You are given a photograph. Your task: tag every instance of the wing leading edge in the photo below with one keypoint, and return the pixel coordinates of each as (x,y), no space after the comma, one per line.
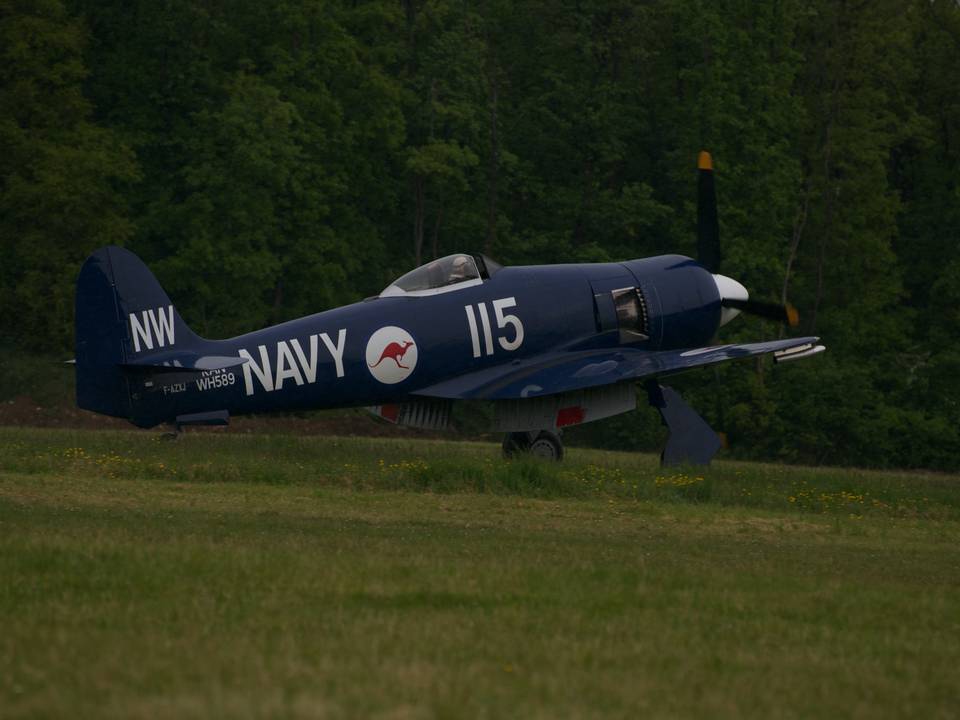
(559,372)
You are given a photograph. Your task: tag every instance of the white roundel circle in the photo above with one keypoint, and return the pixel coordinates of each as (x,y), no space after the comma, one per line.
(391,355)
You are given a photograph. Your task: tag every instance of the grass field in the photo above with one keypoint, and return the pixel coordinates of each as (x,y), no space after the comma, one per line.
(250,576)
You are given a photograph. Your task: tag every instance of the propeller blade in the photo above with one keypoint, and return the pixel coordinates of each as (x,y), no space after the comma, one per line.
(708,228)
(733,295)
(771,311)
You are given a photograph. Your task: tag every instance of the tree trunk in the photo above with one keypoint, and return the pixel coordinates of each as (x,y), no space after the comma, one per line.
(418,221)
(798,224)
(276,311)
(436,233)
(829,197)
(493,171)
(829,192)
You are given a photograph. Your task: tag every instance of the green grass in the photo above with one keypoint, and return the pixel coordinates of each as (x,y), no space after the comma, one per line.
(248,576)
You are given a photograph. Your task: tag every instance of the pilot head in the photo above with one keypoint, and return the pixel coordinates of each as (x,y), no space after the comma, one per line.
(461,268)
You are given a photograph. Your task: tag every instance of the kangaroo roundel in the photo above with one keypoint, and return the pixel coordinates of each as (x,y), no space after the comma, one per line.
(391,354)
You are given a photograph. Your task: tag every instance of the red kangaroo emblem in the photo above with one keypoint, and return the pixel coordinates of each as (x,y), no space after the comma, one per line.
(395,351)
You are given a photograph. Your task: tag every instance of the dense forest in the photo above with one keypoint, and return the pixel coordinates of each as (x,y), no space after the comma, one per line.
(272,159)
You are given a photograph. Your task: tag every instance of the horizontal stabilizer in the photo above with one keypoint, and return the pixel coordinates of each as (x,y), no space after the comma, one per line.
(183,361)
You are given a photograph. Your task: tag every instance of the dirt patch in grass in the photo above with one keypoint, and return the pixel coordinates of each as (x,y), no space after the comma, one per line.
(23,411)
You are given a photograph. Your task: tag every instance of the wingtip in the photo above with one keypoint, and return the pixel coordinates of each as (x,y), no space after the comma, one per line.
(704,161)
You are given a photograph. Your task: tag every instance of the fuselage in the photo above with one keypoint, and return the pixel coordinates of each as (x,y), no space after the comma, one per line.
(383,349)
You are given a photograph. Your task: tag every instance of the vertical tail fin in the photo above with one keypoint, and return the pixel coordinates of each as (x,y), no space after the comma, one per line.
(122,316)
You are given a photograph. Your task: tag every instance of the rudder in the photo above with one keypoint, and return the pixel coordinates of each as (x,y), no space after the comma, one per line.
(122,316)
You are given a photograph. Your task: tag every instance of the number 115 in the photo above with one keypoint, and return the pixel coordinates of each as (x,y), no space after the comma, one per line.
(502,322)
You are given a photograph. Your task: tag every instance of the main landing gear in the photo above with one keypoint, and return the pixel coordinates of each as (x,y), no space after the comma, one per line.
(691,441)
(538,443)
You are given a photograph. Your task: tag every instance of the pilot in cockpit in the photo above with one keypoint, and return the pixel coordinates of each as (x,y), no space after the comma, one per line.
(443,272)
(460,270)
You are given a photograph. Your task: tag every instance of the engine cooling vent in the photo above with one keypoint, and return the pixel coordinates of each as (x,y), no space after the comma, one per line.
(632,315)
(422,414)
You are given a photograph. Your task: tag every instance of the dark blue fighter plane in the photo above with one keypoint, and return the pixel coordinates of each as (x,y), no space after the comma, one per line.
(549,345)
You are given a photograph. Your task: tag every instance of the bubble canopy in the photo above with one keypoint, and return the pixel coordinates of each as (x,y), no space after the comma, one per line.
(453,272)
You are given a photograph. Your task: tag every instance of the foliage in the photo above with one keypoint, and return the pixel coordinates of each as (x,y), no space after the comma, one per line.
(275,159)
(62,178)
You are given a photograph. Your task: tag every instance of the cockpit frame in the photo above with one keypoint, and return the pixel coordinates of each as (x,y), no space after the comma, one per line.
(447,274)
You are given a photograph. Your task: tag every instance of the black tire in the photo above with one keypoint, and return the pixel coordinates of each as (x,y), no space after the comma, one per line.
(515,443)
(548,446)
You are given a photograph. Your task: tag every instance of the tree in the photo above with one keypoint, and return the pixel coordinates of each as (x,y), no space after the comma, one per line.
(266,141)
(61,176)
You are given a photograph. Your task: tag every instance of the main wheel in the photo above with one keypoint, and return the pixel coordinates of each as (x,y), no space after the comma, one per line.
(548,446)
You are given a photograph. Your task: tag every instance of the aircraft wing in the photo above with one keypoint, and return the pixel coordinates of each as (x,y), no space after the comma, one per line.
(559,372)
